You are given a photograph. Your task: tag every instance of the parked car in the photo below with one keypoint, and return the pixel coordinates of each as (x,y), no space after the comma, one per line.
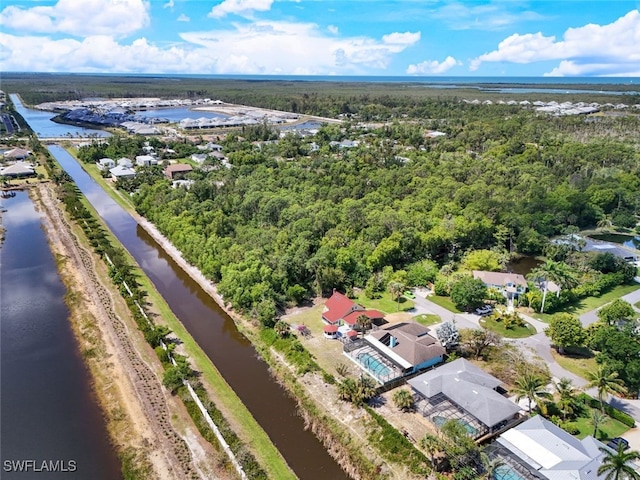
(616,442)
(409,294)
(484,310)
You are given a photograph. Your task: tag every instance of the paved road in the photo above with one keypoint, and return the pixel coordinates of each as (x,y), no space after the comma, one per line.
(592,316)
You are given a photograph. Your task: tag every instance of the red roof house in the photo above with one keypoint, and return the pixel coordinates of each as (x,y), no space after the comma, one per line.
(340,310)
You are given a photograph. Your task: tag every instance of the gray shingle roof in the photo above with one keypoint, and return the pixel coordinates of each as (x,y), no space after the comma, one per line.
(470,388)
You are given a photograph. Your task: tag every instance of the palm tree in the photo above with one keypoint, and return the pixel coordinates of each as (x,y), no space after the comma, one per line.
(605,222)
(396,289)
(557,272)
(605,382)
(617,465)
(490,465)
(566,396)
(596,419)
(363,323)
(530,386)
(403,400)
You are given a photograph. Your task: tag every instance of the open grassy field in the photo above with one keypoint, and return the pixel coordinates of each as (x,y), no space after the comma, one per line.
(427,319)
(385,304)
(587,304)
(444,302)
(576,360)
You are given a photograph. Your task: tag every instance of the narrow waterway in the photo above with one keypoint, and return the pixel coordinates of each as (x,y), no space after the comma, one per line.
(216,333)
(49,412)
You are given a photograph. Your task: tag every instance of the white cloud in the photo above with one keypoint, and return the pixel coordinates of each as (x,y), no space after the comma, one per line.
(183,18)
(258,48)
(170,4)
(94,17)
(491,16)
(589,50)
(244,8)
(433,66)
(406,38)
(295,48)
(333,29)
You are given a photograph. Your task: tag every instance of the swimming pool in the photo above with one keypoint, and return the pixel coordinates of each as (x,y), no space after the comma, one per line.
(505,472)
(471,430)
(374,365)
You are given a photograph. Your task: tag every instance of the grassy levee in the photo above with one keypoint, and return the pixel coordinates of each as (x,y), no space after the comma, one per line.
(226,400)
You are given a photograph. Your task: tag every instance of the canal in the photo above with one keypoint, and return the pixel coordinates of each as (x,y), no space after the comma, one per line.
(48,409)
(216,333)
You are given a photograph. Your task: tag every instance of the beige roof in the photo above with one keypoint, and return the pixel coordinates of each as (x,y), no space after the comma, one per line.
(412,342)
(499,278)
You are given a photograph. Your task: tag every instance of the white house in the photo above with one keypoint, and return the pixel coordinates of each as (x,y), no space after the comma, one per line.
(105,164)
(511,285)
(199,157)
(122,172)
(125,162)
(146,160)
(540,449)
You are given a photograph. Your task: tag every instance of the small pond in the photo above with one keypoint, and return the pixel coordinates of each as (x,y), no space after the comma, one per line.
(626,240)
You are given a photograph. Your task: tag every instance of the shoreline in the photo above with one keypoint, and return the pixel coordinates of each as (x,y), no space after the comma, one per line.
(124,376)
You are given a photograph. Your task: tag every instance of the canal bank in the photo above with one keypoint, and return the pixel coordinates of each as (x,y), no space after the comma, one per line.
(216,334)
(50,414)
(151,431)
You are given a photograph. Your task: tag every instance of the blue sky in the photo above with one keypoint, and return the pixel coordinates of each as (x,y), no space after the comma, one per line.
(323,37)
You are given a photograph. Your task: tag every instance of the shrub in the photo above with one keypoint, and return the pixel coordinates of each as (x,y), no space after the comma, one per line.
(609,410)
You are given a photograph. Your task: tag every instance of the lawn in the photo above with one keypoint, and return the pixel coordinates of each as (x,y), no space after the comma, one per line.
(587,304)
(498,327)
(385,304)
(444,302)
(427,319)
(608,429)
(578,361)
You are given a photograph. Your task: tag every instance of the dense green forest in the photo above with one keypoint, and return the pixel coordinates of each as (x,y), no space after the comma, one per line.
(283,224)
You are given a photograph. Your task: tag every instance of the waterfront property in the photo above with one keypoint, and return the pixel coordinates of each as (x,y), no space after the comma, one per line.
(463,392)
(16,154)
(395,351)
(18,169)
(538,449)
(105,164)
(511,285)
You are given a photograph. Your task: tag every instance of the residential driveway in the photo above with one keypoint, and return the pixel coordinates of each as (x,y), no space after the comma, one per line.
(633,437)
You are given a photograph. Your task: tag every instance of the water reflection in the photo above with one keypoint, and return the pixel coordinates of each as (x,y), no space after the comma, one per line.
(48,409)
